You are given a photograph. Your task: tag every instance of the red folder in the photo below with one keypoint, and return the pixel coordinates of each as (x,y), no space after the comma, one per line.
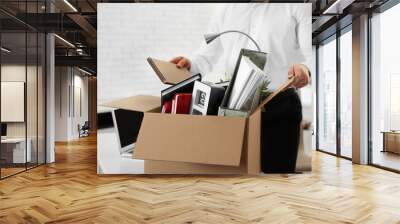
(181,103)
(166,109)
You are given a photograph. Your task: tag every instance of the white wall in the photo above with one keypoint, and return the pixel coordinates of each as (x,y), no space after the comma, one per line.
(61,103)
(80,83)
(129,33)
(16,72)
(68,80)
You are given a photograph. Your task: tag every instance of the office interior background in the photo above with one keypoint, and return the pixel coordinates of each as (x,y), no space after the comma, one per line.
(48,82)
(49,51)
(48,97)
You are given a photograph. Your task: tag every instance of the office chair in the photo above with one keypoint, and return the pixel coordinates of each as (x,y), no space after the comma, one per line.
(84,130)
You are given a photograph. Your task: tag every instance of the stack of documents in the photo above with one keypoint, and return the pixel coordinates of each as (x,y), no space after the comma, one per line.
(247,87)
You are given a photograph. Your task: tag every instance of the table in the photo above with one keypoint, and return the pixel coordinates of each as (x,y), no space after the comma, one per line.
(13,150)
(109,158)
(391,141)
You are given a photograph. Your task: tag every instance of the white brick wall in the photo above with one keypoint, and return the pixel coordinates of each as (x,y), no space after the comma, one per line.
(129,33)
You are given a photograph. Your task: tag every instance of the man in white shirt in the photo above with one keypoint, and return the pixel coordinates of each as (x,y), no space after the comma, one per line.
(281,30)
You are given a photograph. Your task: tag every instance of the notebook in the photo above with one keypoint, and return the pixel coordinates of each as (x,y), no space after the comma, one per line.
(167,107)
(186,86)
(168,72)
(181,103)
(248,79)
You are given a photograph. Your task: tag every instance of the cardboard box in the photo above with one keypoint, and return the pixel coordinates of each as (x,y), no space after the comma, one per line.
(193,144)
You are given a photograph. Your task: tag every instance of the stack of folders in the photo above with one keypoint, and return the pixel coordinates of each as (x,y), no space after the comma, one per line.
(177,98)
(207,97)
(249,82)
(181,103)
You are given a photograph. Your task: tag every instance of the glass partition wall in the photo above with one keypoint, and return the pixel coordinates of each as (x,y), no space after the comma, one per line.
(22,77)
(327,96)
(385,89)
(345,65)
(334,104)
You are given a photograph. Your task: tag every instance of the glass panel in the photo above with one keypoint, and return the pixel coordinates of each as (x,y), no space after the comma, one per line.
(385,84)
(31,85)
(41,99)
(23,89)
(31,100)
(327,97)
(13,87)
(346,94)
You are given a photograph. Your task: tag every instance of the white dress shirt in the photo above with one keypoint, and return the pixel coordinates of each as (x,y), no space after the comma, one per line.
(282,30)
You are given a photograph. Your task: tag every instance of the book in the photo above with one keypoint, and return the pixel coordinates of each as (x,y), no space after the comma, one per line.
(223,84)
(207,97)
(249,80)
(242,78)
(181,103)
(186,86)
(167,72)
(167,107)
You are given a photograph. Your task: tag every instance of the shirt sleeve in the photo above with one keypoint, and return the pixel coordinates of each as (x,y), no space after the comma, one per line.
(205,57)
(304,34)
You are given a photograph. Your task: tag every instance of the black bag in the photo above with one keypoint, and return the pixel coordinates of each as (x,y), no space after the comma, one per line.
(280,132)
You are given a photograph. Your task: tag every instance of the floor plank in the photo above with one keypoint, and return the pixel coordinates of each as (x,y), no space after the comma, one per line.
(70,191)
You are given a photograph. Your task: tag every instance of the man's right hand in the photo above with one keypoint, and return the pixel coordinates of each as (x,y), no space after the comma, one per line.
(181,62)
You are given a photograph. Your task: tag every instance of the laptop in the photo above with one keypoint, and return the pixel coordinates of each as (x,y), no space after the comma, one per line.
(127,125)
(3,131)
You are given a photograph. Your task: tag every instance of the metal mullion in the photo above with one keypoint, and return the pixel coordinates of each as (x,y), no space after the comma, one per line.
(317,96)
(369,82)
(45,96)
(26,87)
(45,91)
(37,91)
(338,92)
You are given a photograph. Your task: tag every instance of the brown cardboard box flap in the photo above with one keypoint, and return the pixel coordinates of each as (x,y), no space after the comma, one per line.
(253,143)
(167,167)
(136,103)
(168,72)
(191,138)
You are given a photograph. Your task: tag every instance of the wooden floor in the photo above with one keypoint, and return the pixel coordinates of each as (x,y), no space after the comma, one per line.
(386,159)
(5,172)
(70,191)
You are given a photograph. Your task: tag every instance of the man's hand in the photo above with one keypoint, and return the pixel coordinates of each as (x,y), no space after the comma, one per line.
(181,62)
(301,75)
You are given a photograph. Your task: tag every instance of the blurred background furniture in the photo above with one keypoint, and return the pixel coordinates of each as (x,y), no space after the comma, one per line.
(13,151)
(84,129)
(391,141)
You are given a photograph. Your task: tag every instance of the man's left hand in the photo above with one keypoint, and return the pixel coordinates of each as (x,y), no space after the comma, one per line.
(301,75)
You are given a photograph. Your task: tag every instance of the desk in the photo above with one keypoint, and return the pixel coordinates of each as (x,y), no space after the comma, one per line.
(391,141)
(13,150)
(109,159)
